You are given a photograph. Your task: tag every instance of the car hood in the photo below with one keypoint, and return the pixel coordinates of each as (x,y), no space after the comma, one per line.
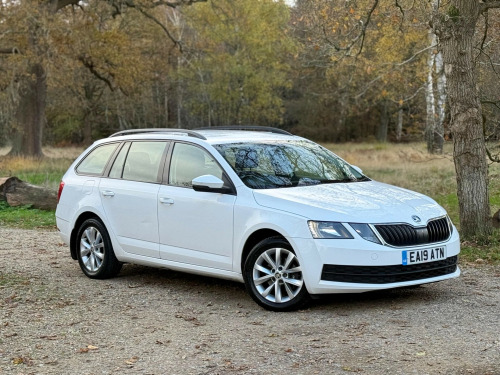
(359,202)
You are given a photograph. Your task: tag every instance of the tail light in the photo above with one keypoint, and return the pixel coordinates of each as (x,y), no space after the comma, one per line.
(61,187)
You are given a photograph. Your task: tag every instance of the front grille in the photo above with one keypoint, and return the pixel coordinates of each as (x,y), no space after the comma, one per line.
(406,235)
(388,274)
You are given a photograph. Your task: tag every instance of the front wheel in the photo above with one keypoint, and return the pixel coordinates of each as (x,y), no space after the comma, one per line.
(95,252)
(273,276)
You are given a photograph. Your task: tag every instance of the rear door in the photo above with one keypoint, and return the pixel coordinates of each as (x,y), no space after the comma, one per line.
(130,195)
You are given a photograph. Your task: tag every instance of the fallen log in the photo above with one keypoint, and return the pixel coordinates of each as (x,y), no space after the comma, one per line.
(2,181)
(20,193)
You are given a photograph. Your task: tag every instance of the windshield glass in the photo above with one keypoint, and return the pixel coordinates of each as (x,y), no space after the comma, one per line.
(271,165)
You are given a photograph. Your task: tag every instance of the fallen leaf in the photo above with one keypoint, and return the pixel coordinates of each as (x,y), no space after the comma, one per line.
(132,360)
(18,361)
(53,337)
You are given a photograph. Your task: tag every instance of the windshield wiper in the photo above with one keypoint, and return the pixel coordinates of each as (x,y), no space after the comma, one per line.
(337,181)
(344,180)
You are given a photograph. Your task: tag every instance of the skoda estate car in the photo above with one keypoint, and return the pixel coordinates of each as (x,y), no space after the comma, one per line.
(257,205)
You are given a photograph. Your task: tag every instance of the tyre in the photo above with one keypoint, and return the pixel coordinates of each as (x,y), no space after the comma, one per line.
(95,252)
(273,276)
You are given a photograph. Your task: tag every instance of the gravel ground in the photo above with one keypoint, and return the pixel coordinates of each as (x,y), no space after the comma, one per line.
(54,320)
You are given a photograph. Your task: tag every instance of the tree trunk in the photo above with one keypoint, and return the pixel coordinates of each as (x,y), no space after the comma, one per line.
(399,126)
(456,31)
(440,111)
(435,95)
(430,125)
(384,123)
(30,114)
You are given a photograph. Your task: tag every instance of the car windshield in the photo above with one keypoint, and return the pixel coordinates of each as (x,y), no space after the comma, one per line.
(280,164)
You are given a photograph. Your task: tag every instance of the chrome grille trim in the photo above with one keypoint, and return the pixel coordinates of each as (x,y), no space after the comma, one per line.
(404,235)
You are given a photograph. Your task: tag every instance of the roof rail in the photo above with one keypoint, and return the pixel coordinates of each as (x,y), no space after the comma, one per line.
(248,127)
(189,133)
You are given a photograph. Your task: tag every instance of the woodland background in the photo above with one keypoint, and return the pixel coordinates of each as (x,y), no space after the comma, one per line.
(335,71)
(110,66)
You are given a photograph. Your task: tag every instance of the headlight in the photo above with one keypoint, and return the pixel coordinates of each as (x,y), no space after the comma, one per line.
(328,229)
(365,232)
(450,224)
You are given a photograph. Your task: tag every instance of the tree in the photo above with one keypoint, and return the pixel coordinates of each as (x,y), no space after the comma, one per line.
(371,64)
(455,27)
(435,94)
(27,28)
(454,23)
(234,68)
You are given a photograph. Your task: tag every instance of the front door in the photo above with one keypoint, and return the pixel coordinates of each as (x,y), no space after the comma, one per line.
(195,227)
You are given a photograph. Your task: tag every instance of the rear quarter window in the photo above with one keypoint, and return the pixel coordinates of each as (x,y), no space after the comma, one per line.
(95,162)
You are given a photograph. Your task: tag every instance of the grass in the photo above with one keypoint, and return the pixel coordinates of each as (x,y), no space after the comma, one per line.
(8,279)
(45,172)
(26,217)
(405,165)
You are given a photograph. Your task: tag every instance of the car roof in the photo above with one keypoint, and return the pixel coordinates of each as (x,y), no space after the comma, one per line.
(210,135)
(237,136)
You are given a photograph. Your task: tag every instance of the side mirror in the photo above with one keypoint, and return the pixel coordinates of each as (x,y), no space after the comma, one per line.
(358,169)
(208,181)
(211,184)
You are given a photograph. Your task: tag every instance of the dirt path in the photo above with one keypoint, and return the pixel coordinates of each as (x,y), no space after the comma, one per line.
(54,320)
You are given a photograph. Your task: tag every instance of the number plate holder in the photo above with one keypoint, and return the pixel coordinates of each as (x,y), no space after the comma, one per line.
(432,254)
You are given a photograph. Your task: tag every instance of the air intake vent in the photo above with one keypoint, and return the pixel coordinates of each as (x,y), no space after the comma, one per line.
(436,230)
(388,274)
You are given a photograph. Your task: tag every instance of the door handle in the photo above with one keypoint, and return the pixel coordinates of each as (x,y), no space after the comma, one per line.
(168,201)
(108,193)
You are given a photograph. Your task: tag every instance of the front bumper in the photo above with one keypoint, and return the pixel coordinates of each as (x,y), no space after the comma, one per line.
(356,265)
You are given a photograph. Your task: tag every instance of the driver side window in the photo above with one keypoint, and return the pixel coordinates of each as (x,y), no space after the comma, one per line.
(188,162)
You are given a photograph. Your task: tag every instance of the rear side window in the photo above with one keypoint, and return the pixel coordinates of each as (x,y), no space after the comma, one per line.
(95,162)
(116,170)
(143,161)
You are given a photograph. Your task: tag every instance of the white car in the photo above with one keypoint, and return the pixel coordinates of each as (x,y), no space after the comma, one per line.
(278,212)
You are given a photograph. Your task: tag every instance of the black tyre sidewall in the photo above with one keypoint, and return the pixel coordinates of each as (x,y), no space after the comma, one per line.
(299,301)
(110,265)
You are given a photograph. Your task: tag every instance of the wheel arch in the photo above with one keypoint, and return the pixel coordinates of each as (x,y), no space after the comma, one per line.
(83,216)
(254,239)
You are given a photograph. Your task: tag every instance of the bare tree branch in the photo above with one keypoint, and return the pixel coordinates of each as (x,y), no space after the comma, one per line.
(365,26)
(415,55)
(163,27)
(408,98)
(401,10)
(174,4)
(486,26)
(89,64)
(59,4)
(495,104)
(489,5)
(360,36)
(117,5)
(9,51)
(493,158)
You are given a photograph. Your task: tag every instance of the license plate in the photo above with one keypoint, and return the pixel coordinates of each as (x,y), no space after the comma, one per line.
(423,255)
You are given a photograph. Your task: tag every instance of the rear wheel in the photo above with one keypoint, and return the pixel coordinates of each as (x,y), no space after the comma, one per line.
(95,252)
(273,276)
